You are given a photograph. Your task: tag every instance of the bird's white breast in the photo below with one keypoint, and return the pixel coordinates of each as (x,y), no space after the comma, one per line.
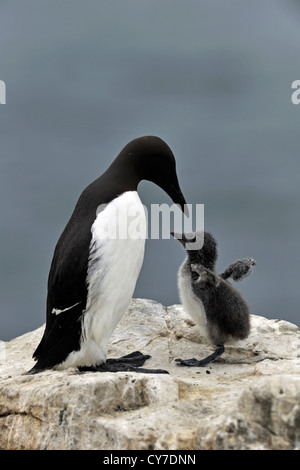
(116,258)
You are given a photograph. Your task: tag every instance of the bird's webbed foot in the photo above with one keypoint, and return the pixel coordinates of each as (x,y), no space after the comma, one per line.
(203,362)
(239,270)
(129,363)
(136,358)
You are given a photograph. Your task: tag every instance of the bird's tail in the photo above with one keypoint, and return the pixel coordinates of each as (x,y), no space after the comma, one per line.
(38,367)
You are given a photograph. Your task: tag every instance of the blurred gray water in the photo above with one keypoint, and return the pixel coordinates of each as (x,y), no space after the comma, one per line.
(212,78)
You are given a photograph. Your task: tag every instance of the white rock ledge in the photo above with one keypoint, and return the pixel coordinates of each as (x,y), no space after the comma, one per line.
(249,399)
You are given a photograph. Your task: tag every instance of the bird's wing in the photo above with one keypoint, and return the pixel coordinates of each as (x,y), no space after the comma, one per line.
(239,269)
(66,300)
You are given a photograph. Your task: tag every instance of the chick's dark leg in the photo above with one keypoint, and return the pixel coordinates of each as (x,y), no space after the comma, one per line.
(203,362)
(130,363)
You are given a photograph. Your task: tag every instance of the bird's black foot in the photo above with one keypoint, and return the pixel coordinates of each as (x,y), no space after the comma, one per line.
(135,358)
(203,362)
(240,269)
(129,363)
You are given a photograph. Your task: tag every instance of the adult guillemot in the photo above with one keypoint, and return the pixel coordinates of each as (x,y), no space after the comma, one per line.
(214,304)
(92,276)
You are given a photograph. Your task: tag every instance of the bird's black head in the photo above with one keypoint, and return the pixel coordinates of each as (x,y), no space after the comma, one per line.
(206,255)
(149,158)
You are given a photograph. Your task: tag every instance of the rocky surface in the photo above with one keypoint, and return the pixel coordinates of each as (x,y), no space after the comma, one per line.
(249,399)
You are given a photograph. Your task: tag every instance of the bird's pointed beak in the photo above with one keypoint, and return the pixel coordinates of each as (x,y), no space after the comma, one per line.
(175,193)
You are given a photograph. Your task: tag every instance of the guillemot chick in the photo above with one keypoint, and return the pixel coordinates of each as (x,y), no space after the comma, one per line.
(96,263)
(214,304)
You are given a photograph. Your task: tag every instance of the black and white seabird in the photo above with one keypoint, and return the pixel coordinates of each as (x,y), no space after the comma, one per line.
(92,277)
(215,305)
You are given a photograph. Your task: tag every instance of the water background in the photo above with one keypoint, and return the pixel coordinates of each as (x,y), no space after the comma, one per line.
(212,78)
